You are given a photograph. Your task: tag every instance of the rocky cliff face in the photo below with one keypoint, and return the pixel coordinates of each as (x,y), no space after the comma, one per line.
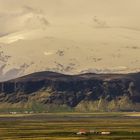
(86,92)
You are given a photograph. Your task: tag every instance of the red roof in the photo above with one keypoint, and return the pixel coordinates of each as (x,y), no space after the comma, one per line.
(83,130)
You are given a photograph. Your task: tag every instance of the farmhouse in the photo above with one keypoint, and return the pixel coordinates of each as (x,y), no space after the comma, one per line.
(105,133)
(83,132)
(92,131)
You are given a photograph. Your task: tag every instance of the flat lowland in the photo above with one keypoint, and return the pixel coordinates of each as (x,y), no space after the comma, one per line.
(64,126)
(134,114)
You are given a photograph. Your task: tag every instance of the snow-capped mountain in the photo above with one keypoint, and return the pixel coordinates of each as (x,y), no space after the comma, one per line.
(36,38)
(69,56)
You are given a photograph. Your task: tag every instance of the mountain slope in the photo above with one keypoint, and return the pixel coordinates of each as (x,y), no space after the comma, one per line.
(80,49)
(85,92)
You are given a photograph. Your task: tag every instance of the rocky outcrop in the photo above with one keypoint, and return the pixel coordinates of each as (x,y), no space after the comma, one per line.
(85,92)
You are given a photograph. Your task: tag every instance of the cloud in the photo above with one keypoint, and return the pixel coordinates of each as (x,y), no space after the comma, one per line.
(129,28)
(98,23)
(38,15)
(132,47)
(26,18)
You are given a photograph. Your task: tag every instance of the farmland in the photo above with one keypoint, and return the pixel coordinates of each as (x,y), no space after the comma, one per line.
(64,126)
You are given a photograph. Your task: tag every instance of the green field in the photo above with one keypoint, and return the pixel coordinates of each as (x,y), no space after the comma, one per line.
(63,126)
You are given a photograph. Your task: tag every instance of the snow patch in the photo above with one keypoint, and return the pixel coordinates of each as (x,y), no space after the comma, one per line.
(48,53)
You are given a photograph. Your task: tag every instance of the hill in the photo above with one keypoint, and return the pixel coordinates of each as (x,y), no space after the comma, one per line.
(84,92)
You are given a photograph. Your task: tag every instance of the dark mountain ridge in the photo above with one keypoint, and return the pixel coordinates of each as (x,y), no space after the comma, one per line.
(84,92)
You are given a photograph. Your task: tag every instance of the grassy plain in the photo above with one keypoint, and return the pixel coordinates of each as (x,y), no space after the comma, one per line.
(63,126)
